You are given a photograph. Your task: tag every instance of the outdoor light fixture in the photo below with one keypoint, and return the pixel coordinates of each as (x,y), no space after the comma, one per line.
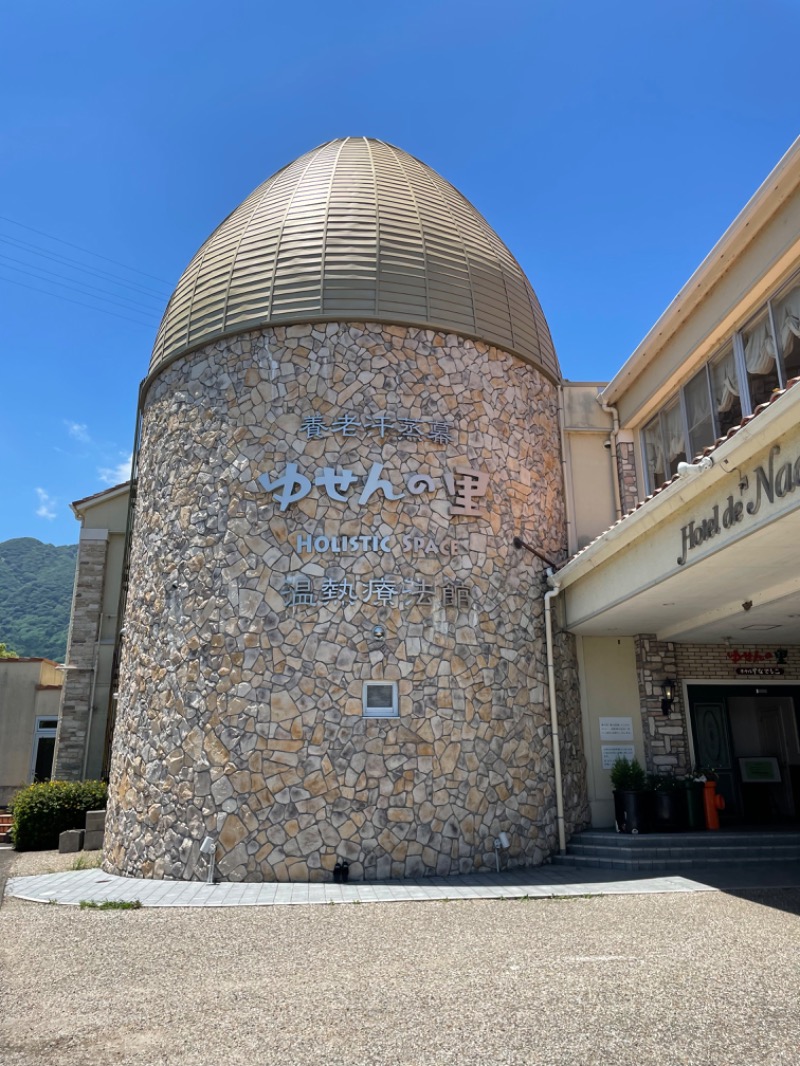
(208,847)
(695,468)
(502,843)
(668,689)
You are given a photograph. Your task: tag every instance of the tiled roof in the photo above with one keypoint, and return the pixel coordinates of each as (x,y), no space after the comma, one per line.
(97,495)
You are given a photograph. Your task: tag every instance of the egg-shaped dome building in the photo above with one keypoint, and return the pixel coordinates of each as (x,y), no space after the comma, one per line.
(333,652)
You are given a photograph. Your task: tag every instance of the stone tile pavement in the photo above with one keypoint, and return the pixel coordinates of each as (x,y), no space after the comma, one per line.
(544,881)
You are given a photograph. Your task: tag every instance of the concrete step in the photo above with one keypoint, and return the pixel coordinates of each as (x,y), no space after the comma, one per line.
(676,865)
(677,851)
(698,840)
(732,853)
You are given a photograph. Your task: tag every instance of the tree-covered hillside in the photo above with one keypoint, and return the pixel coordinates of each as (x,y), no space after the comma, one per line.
(35,596)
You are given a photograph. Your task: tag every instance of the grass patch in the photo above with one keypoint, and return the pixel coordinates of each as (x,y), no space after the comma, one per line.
(87,860)
(111,905)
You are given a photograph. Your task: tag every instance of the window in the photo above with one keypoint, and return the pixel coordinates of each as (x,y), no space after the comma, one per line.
(760,360)
(654,454)
(725,391)
(380,699)
(698,413)
(675,441)
(787,323)
(44,746)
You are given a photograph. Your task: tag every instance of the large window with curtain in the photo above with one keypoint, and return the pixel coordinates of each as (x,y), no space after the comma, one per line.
(759,359)
(786,310)
(725,397)
(654,453)
(698,413)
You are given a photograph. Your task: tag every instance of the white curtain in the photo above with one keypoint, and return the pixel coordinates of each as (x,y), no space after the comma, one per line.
(787,317)
(655,453)
(759,348)
(726,387)
(674,428)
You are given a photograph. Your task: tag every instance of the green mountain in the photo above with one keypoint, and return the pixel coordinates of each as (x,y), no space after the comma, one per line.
(35,596)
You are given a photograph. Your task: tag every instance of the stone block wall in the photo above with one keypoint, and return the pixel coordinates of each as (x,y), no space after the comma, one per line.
(626,474)
(240,711)
(666,743)
(87,606)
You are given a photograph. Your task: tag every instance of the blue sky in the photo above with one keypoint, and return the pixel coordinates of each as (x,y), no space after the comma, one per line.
(609,144)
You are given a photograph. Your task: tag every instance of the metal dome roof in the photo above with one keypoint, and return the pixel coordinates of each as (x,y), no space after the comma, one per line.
(356,230)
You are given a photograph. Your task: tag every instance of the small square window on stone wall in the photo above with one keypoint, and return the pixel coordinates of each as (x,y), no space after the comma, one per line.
(380,699)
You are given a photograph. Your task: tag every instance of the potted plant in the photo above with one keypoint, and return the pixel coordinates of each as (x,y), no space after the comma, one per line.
(669,809)
(695,810)
(631,807)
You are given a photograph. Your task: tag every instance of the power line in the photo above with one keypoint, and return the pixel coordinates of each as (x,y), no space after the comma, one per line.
(74,288)
(102,274)
(67,299)
(36,271)
(50,237)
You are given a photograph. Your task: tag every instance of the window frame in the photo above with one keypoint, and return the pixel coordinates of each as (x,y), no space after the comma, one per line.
(379,712)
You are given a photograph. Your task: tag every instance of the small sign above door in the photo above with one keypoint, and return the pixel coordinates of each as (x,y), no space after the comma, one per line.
(759,671)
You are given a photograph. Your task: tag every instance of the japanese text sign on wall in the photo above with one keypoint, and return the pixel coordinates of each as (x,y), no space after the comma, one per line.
(465,486)
(616,728)
(383,591)
(315,427)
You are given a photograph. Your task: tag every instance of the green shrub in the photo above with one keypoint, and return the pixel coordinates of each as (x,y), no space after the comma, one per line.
(43,811)
(628,776)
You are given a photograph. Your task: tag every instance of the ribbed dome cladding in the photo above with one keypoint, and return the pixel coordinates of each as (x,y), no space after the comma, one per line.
(355,230)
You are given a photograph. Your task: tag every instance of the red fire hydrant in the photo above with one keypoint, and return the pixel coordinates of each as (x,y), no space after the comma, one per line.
(713,804)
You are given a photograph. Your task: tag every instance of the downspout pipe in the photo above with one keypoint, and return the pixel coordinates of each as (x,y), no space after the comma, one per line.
(549,596)
(610,409)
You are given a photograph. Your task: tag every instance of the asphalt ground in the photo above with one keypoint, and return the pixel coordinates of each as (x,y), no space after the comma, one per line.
(685,978)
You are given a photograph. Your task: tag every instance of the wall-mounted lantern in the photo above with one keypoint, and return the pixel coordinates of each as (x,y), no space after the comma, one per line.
(668,690)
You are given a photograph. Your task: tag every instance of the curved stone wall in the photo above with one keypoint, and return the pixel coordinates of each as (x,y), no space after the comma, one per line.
(319,507)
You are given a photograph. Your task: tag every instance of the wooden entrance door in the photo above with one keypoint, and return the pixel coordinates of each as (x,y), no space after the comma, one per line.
(712,744)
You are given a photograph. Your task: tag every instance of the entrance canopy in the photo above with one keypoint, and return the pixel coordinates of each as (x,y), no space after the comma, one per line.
(712,555)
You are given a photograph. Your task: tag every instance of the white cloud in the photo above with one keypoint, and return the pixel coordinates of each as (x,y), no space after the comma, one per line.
(114,475)
(78,430)
(47,505)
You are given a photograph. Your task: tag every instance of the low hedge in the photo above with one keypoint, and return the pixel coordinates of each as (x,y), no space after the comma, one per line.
(43,811)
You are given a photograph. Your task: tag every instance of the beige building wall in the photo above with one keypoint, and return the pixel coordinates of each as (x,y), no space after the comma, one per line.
(589,473)
(608,690)
(29,689)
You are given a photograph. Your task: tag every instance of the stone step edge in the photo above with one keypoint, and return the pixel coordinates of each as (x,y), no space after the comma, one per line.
(588,852)
(695,840)
(659,864)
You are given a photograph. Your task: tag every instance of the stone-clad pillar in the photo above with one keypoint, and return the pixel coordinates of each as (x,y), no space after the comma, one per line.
(87,606)
(626,473)
(666,742)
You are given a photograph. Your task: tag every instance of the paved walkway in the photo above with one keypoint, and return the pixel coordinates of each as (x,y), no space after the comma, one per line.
(541,881)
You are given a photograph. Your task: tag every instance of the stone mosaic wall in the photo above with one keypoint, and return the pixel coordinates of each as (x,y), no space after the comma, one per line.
(240,710)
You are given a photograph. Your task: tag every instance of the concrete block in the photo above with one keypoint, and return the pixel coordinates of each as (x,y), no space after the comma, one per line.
(95,821)
(72,840)
(93,840)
